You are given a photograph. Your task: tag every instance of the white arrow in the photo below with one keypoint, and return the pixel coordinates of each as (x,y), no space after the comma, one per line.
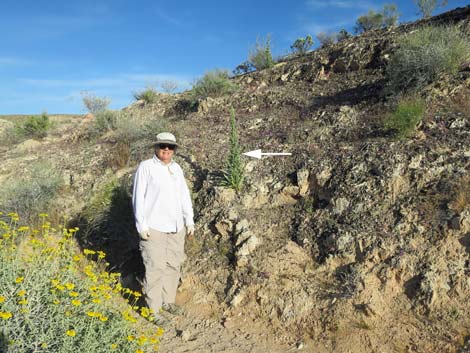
(258,154)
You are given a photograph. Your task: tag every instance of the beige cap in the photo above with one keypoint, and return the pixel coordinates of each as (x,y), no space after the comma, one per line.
(166,137)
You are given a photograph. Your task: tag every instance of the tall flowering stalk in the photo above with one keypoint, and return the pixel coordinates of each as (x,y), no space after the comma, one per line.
(234,171)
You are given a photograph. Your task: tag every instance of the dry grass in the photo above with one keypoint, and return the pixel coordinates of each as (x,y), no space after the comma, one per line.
(462,194)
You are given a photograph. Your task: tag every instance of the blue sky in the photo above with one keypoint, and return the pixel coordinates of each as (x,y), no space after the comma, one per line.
(51,51)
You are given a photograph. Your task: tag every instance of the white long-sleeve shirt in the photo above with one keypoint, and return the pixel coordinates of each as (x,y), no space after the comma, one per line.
(161,198)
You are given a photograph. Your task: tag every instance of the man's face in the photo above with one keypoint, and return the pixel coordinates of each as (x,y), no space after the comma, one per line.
(165,152)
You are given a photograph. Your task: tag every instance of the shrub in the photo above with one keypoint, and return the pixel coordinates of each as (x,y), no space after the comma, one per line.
(169,86)
(55,300)
(106,120)
(36,126)
(327,39)
(148,95)
(93,103)
(214,83)
(388,16)
(31,193)
(234,171)
(408,113)
(260,56)
(426,7)
(342,35)
(425,54)
(244,68)
(302,45)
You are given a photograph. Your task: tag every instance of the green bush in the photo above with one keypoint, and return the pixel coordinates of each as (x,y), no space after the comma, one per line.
(32,192)
(260,56)
(234,171)
(214,83)
(302,45)
(36,126)
(408,113)
(148,95)
(426,7)
(106,120)
(425,54)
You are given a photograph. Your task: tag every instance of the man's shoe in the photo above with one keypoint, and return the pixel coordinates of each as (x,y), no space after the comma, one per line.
(160,320)
(172,308)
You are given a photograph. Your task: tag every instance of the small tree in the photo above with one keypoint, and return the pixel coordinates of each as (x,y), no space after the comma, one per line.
(302,45)
(426,7)
(215,83)
(93,103)
(261,57)
(387,17)
(390,15)
(342,35)
(234,172)
(327,39)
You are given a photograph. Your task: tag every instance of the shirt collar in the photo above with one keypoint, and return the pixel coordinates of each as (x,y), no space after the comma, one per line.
(158,161)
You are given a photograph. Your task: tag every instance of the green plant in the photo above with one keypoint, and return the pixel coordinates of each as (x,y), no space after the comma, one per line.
(425,54)
(260,56)
(31,193)
(302,45)
(387,17)
(214,83)
(93,103)
(148,95)
(408,113)
(426,7)
(36,126)
(234,170)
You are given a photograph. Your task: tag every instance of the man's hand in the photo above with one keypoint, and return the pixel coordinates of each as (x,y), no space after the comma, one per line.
(144,235)
(190,230)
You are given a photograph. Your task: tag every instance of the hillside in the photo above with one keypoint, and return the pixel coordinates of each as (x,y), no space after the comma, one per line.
(358,242)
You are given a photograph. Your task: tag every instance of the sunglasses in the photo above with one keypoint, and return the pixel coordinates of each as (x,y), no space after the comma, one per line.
(162,146)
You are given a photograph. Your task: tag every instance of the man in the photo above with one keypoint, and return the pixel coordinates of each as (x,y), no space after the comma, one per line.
(164,216)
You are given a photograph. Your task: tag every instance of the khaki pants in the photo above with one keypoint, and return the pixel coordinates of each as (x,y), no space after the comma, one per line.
(163,254)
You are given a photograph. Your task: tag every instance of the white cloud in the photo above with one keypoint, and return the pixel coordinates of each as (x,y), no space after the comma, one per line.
(169,18)
(315,28)
(341,4)
(13,61)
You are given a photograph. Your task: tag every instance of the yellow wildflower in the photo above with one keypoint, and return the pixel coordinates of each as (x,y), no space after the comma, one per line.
(44,345)
(22,293)
(60,287)
(145,312)
(69,286)
(19,279)
(96,300)
(23,229)
(114,346)
(103,318)
(130,338)
(71,333)
(56,301)
(23,302)
(43,215)
(2,298)
(142,340)
(5,315)
(76,258)
(89,252)
(74,294)
(139,351)
(101,254)
(93,314)
(76,302)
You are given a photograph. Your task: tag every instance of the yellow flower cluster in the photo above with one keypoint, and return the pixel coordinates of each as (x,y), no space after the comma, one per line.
(81,300)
